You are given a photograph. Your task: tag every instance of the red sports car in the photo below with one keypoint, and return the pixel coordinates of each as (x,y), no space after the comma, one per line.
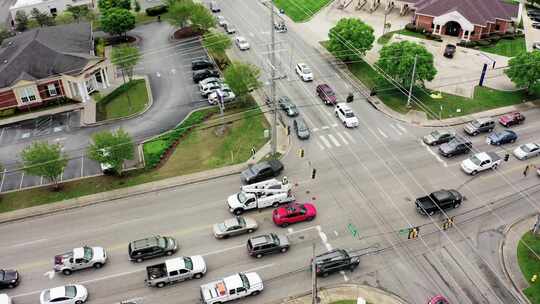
(293,213)
(438,300)
(510,119)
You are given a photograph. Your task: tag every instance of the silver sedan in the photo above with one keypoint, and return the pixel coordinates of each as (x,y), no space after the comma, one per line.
(67,294)
(527,151)
(235,226)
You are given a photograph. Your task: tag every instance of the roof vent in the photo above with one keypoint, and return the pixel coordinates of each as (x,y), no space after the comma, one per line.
(5,61)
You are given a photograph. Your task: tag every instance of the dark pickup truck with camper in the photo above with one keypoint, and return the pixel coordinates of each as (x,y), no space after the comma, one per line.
(434,202)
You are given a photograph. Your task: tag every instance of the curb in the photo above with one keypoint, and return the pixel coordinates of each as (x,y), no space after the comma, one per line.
(148,106)
(502,259)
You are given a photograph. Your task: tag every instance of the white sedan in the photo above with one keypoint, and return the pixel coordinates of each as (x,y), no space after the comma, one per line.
(242,43)
(68,294)
(304,72)
(225,95)
(527,151)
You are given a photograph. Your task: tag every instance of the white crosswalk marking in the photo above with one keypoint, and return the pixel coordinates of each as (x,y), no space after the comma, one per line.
(349,136)
(401,128)
(342,138)
(335,125)
(334,140)
(395,129)
(320,145)
(325,127)
(325,141)
(382,133)
(315,130)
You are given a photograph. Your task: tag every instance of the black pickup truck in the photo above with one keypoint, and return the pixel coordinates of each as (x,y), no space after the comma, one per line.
(442,199)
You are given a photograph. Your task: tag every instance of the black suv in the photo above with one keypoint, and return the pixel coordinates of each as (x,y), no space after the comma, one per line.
(9,278)
(267,244)
(203,74)
(151,247)
(455,147)
(334,261)
(199,64)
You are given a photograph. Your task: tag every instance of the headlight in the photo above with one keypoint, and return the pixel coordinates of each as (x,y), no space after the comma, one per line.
(13,281)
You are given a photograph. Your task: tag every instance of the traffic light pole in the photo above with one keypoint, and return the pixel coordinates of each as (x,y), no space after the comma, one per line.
(314,297)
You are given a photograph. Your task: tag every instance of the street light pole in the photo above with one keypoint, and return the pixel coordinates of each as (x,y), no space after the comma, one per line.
(314,297)
(273,78)
(412,82)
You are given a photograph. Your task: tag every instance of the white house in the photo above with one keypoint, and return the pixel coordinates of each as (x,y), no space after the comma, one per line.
(52,7)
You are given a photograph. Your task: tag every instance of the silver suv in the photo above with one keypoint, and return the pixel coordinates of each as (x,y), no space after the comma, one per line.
(480,125)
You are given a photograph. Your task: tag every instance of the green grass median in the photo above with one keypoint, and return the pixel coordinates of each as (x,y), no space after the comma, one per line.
(528,253)
(126,100)
(300,11)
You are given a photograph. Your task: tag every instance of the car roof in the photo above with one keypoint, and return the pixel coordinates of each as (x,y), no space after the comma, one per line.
(344,106)
(176,263)
(302,65)
(336,254)
(231,222)
(263,239)
(482,120)
(301,121)
(57,292)
(442,194)
(146,242)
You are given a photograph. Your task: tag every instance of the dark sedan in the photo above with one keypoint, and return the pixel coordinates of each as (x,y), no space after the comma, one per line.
(286,105)
(301,128)
(203,74)
(262,171)
(449,51)
(455,147)
(9,278)
(501,138)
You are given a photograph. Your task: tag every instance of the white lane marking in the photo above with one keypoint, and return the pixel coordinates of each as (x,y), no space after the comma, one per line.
(402,128)
(434,154)
(324,238)
(329,114)
(82,165)
(28,243)
(49,274)
(336,233)
(304,229)
(343,138)
(315,130)
(349,136)
(158,74)
(223,250)
(260,267)
(382,133)
(111,276)
(173,71)
(290,230)
(318,143)
(26,294)
(395,129)
(325,127)
(335,125)
(344,276)
(2,133)
(325,141)
(22,178)
(334,140)
(3,178)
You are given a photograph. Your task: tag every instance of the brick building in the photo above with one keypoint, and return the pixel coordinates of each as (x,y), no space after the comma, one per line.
(48,63)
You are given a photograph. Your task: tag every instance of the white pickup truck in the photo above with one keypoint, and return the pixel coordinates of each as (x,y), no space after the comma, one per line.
(175,270)
(480,162)
(242,201)
(80,258)
(230,288)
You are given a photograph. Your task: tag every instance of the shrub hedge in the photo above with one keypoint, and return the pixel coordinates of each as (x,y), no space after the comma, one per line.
(119,91)
(157,10)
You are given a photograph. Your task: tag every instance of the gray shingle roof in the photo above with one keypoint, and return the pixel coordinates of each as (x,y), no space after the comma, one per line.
(476,11)
(42,52)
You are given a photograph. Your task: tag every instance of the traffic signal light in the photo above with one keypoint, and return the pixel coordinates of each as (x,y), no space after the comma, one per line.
(413,233)
(301,152)
(313,173)
(506,157)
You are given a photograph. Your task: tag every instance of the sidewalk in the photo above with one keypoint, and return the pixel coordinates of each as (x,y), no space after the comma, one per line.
(348,292)
(35,114)
(508,253)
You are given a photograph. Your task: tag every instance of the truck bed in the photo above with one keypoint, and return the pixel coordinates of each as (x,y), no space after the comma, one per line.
(494,156)
(158,271)
(425,202)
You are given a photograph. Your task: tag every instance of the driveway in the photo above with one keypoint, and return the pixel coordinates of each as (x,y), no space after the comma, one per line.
(168,66)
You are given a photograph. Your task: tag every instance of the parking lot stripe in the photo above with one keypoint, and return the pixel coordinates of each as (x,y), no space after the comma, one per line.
(22,178)
(320,145)
(349,136)
(325,141)
(343,138)
(382,133)
(334,140)
(82,165)
(3,177)
(401,128)
(395,129)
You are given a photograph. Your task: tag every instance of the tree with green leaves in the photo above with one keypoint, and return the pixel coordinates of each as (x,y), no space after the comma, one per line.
(180,12)
(44,159)
(397,60)
(78,12)
(117,21)
(350,39)
(111,149)
(137,6)
(43,19)
(21,21)
(524,70)
(4,34)
(201,18)
(216,43)
(125,57)
(105,5)
(64,18)
(242,78)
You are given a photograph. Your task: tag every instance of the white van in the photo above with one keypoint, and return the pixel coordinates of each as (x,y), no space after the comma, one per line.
(4,299)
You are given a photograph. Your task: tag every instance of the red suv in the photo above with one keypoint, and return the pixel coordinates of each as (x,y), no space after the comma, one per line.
(438,300)
(326,94)
(293,213)
(514,118)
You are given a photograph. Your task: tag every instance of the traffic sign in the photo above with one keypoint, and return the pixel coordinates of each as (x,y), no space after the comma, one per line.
(353,230)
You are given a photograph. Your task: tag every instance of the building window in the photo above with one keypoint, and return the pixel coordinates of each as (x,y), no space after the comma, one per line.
(52,90)
(27,94)
(497,27)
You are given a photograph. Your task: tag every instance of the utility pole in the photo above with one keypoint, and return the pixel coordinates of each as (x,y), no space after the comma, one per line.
(412,82)
(314,297)
(273,78)
(221,129)
(384,24)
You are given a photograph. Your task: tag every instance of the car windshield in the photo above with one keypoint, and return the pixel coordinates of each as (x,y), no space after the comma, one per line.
(242,198)
(275,238)
(47,295)
(301,126)
(71,291)
(329,92)
(241,221)
(188,262)
(88,253)
(306,70)
(435,134)
(475,160)
(349,114)
(475,123)
(525,148)
(245,281)
(2,275)
(162,242)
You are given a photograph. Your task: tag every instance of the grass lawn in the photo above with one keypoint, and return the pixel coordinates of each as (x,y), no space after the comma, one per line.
(506,47)
(347,302)
(300,11)
(484,98)
(200,150)
(530,264)
(386,37)
(118,104)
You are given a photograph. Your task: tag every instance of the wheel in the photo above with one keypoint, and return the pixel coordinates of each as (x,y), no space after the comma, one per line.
(139,260)
(250,231)
(284,249)
(475,133)
(98,265)
(11,286)
(513,141)
(66,271)
(474,172)
(275,205)
(456,205)
(284,225)
(198,275)
(325,274)
(494,167)
(226,236)
(256,292)
(160,285)
(309,219)
(238,211)
(168,253)
(490,130)
(352,267)
(79,302)
(259,255)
